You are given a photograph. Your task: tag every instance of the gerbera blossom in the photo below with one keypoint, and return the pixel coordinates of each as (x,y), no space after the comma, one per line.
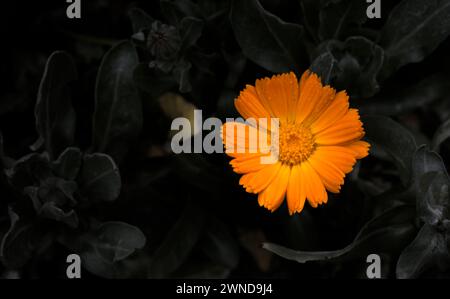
(319,140)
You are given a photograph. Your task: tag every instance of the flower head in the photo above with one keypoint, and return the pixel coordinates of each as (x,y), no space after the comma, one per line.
(317,140)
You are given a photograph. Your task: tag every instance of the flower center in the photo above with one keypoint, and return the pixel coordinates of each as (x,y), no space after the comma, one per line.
(296,144)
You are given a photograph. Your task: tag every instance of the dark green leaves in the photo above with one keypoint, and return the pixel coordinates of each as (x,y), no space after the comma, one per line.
(117,240)
(326,67)
(384,233)
(140,20)
(266,39)
(414,29)
(356,63)
(18,243)
(219,245)
(339,17)
(55,117)
(429,249)
(100,178)
(118,111)
(68,163)
(106,249)
(441,135)
(431,184)
(393,139)
(178,243)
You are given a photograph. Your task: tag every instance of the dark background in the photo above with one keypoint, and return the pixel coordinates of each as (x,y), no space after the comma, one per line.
(189,210)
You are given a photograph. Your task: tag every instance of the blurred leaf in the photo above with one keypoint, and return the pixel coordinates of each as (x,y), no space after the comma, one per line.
(117,240)
(431,186)
(190,32)
(413,30)
(418,95)
(338,17)
(198,172)
(175,11)
(68,163)
(220,246)
(395,140)
(251,240)
(310,15)
(99,178)
(178,243)
(55,116)
(118,112)
(153,82)
(325,66)
(428,249)
(18,243)
(441,135)
(383,233)
(181,74)
(265,38)
(358,61)
(28,170)
(140,20)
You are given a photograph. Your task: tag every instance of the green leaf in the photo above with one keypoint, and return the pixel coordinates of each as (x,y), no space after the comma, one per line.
(178,243)
(339,17)
(359,61)
(140,20)
(219,245)
(182,75)
(29,170)
(18,243)
(416,96)
(441,135)
(55,116)
(190,32)
(175,11)
(413,30)
(118,107)
(99,179)
(393,139)
(428,250)
(431,183)
(387,232)
(68,163)
(153,82)
(310,16)
(266,39)
(116,241)
(325,66)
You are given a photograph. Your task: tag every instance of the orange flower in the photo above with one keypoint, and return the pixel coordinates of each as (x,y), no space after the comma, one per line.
(318,140)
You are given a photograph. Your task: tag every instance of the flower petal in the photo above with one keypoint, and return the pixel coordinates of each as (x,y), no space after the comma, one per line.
(273,195)
(310,93)
(361,148)
(296,193)
(278,94)
(240,138)
(255,182)
(335,111)
(248,104)
(347,129)
(315,190)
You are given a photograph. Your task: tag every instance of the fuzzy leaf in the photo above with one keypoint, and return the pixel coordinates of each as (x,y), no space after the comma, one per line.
(395,140)
(99,178)
(266,39)
(55,116)
(118,108)
(413,30)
